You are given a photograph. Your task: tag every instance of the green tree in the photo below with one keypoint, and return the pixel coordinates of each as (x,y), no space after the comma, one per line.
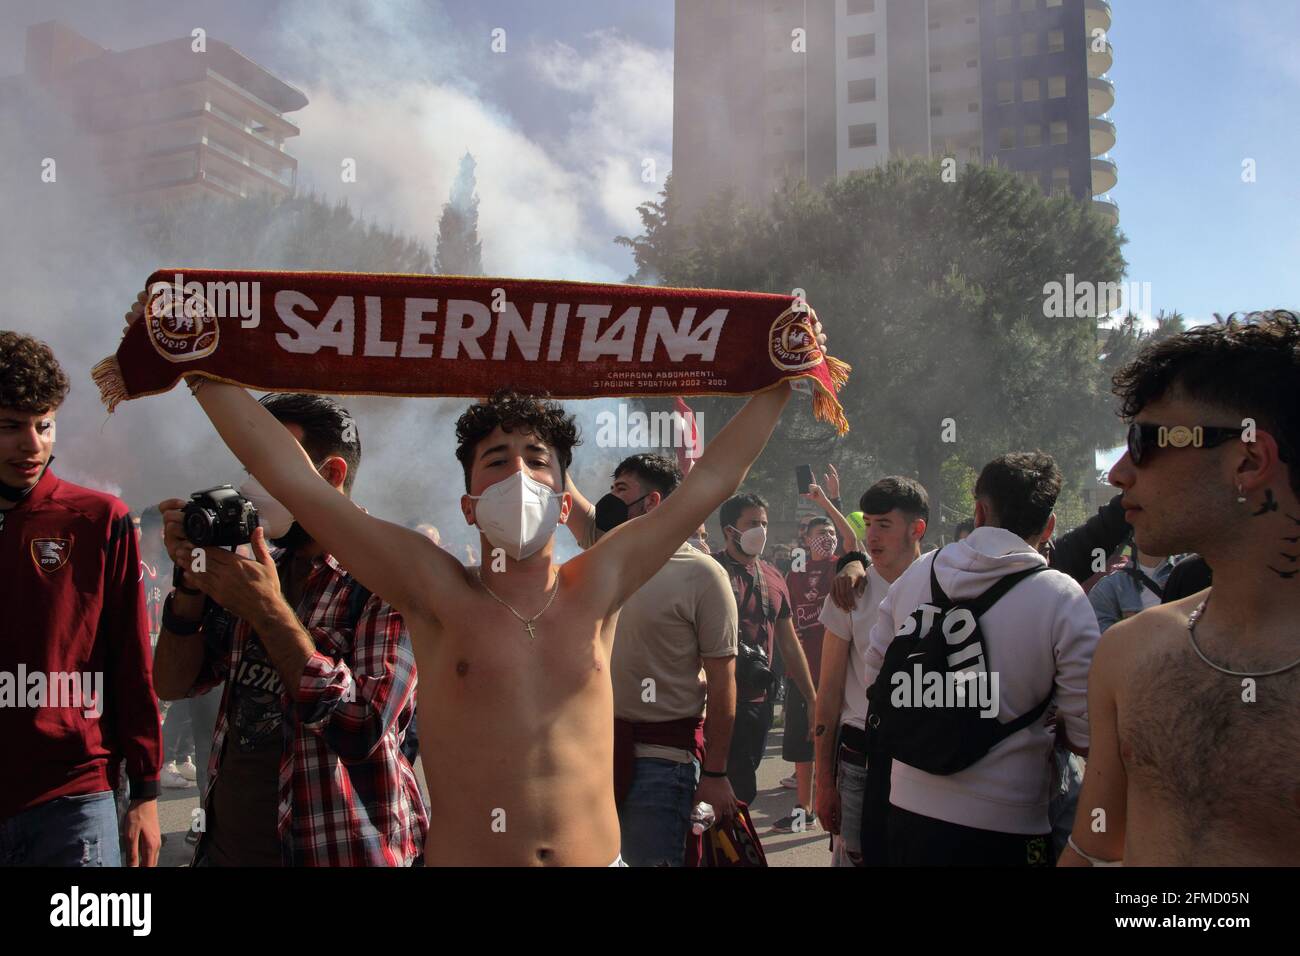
(934,291)
(459,250)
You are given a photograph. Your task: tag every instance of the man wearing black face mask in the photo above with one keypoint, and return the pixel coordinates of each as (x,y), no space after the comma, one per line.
(765,616)
(668,755)
(306,765)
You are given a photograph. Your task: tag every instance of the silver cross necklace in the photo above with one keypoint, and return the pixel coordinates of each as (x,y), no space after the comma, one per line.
(527,621)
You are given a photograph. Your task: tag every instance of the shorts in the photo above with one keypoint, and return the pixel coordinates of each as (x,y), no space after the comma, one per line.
(795,745)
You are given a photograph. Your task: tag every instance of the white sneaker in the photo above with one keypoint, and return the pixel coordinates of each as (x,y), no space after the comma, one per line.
(790,782)
(188,770)
(172,779)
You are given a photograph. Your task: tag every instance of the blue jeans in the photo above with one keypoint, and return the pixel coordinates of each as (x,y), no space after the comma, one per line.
(655,816)
(1067,781)
(177,732)
(66,831)
(851,783)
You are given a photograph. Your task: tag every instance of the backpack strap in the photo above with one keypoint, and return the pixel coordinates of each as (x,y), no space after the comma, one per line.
(1024,720)
(938,597)
(1004,584)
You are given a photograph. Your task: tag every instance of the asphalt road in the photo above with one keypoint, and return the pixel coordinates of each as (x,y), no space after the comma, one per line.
(809,848)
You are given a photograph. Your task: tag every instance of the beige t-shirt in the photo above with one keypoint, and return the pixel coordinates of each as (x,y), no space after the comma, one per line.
(684,613)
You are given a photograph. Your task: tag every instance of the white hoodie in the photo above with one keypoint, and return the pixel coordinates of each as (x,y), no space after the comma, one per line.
(1040,635)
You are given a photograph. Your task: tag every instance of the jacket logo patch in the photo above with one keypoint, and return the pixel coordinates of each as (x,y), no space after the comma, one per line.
(50,554)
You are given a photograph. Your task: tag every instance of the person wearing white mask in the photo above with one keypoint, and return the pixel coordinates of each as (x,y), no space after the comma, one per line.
(765,617)
(514,655)
(319,680)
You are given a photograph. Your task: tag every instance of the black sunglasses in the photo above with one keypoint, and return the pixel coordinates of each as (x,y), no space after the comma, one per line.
(1142,437)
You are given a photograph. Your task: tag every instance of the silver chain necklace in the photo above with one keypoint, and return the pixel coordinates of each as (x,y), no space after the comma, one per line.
(527,621)
(1191,636)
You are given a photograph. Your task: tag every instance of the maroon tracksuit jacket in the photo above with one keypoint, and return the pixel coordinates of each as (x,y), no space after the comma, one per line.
(71,601)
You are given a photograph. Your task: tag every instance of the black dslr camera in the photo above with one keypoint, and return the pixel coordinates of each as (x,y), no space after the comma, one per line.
(219,517)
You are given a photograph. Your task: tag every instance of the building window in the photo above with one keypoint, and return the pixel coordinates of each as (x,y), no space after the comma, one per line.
(1055,41)
(1030,90)
(1055,87)
(1002,6)
(1054,3)
(1006,92)
(1061,181)
(861,6)
(1033,135)
(862,134)
(1027,6)
(862,91)
(1028,44)
(973,154)
(936,67)
(972,107)
(1004,48)
(862,45)
(1060,133)
(1006,138)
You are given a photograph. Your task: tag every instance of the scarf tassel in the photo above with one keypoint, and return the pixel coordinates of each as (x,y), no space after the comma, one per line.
(108,376)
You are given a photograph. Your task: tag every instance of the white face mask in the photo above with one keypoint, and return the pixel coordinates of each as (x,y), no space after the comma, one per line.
(697,543)
(274,517)
(518,515)
(753,541)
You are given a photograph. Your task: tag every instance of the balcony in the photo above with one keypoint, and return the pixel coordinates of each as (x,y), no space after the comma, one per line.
(1096,15)
(1105,174)
(1100,63)
(1101,136)
(1101,95)
(1106,207)
(284,177)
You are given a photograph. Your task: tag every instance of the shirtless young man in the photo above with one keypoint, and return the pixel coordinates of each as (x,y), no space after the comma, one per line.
(516,706)
(1189,764)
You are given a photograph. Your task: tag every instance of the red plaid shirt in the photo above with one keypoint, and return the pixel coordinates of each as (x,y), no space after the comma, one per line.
(347,796)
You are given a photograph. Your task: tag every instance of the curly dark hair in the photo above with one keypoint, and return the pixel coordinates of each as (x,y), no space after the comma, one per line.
(31,379)
(511,410)
(1248,364)
(1020,491)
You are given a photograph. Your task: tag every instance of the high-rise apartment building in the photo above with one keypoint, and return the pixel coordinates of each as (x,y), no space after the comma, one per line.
(816,88)
(168,121)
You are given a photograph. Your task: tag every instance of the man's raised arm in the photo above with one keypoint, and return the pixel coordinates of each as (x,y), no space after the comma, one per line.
(379,553)
(630,554)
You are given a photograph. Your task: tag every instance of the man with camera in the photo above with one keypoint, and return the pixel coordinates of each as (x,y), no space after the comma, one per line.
(306,764)
(76,706)
(763,603)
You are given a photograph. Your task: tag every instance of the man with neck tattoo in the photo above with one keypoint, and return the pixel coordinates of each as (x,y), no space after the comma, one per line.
(74,615)
(1195,704)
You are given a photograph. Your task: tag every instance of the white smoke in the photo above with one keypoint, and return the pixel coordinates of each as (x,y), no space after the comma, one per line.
(388,87)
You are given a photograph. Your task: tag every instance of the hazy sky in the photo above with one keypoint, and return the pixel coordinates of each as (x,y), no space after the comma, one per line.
(561,122)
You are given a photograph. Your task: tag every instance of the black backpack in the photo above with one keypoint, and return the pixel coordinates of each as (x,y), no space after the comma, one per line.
(944,639)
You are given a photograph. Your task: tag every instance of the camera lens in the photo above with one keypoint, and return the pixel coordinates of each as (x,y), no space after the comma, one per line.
(198,525)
